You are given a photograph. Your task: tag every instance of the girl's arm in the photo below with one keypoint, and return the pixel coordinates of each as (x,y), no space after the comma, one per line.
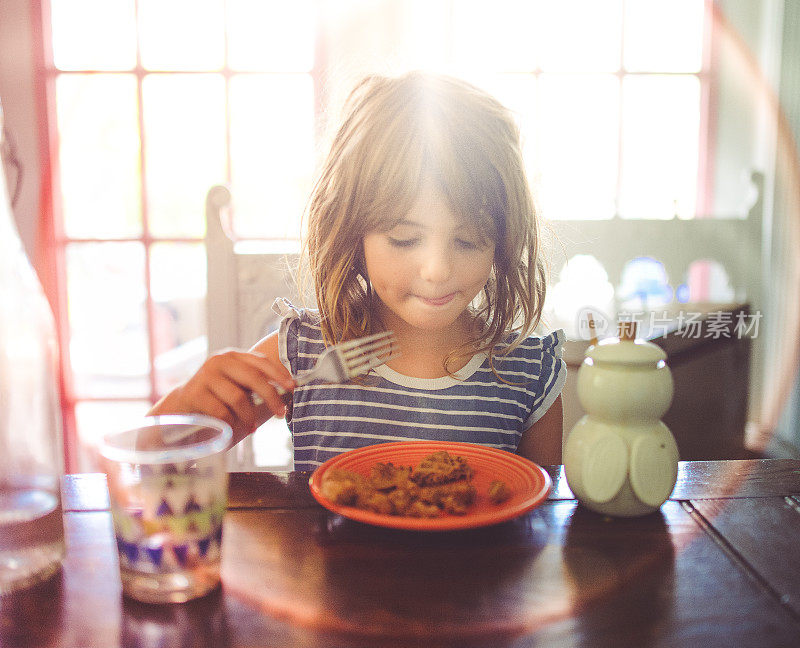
(223,385)
(541,442)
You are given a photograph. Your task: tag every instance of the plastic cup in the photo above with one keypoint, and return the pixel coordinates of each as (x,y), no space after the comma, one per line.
(168,488)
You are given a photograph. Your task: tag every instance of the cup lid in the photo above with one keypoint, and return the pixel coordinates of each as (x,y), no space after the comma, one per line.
(629,352)
(168,439)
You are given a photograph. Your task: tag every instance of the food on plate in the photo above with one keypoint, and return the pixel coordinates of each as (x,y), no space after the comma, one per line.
(343,486)
(441,468)
(385,476)
(498,491)
(454,497)
(440,483)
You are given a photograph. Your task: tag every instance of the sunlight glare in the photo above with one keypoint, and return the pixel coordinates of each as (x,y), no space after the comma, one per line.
(272,152)
(505,39)
(184,119)
(579,145)
(580,35)
(652,43)
(181,34)
(93,34)
(99,155)
(271,35)
(659,157)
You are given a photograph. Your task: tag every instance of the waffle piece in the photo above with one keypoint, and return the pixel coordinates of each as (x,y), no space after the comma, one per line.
(498,492)
(343,486)
(441,468)
(387,476)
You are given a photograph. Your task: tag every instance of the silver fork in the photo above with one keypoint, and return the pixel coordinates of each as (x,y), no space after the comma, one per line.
(341,362)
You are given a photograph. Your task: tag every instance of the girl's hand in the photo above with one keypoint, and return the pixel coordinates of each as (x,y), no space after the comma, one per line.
(222,388)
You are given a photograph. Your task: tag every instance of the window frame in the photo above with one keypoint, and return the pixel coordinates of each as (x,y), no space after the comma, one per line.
(53,239)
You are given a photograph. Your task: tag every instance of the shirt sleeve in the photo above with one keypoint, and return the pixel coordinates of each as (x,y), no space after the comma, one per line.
(552,377)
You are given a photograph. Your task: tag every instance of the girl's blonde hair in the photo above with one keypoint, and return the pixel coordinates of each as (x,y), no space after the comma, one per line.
(396,133)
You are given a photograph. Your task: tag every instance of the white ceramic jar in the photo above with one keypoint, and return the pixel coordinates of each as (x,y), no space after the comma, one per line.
(620,459)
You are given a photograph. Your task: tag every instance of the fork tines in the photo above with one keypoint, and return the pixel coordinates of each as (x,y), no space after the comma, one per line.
(368,352)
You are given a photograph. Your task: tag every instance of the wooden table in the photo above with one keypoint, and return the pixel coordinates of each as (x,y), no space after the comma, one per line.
(719,565)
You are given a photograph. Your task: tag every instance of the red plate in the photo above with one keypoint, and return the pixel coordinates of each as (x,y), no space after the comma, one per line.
(529,483)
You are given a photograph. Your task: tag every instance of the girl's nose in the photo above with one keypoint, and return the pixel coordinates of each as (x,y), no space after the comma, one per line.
(437,265)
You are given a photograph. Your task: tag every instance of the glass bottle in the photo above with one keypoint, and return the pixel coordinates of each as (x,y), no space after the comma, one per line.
(31,449)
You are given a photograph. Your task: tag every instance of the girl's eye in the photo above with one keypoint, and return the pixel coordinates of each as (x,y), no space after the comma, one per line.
(402,243)
(466,245)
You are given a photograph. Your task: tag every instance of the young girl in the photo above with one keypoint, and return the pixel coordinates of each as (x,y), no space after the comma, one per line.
(422,223)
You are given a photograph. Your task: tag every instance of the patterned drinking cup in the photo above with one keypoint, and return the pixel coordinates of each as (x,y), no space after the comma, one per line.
(168,488)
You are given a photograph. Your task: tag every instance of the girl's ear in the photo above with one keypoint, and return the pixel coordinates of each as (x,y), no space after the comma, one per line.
(359,269)
(360,263)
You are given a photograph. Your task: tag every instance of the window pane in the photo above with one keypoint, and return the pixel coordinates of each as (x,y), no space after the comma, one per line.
(271,35)
(79,41)
(579,145)
(272,153)
(664,36)
(106,304)
(184,128)
(181,34)
(580,35)
(178,287)
(94,419)
(517,92)
(660,145)
(272,445)
(418,30)
(99,155)
(508,35)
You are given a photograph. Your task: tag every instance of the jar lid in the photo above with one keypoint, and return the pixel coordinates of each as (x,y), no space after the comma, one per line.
(629,352)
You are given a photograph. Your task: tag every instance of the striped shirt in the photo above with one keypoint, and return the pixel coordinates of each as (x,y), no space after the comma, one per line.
(473,405)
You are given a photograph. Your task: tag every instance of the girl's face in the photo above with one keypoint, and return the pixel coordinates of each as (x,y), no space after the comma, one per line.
(428,267)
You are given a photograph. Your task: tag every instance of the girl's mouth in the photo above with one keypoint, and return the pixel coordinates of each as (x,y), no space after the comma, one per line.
(438,301)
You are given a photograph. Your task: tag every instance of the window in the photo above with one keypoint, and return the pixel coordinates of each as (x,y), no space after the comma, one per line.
(598,87)
(154,101)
